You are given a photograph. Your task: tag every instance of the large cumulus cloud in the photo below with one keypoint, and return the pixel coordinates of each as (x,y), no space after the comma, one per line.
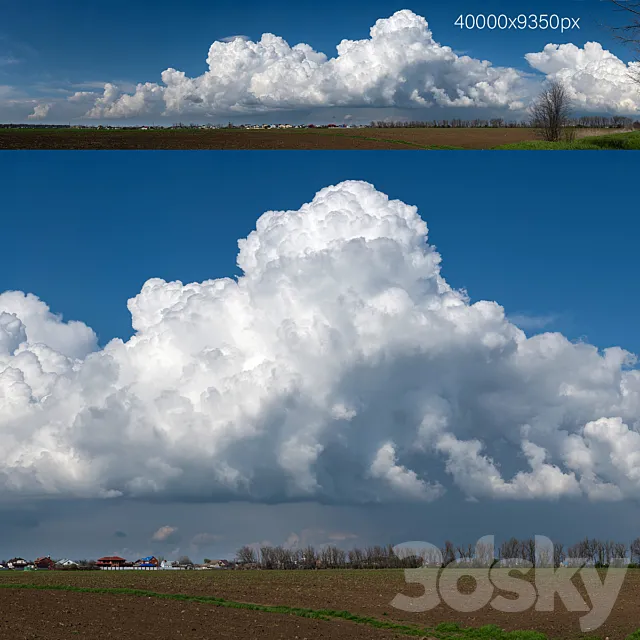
(340,366)
(595,79)
(400,65)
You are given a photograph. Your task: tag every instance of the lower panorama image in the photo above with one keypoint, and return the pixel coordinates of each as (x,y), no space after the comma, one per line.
(306,396)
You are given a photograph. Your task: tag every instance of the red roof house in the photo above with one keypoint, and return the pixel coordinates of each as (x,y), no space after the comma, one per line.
(111,561)
(45,562)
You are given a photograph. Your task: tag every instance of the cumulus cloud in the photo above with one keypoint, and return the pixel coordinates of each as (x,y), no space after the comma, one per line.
(595,78)
(399,478)
(40,111)
(340,366)
(400,65)
(165,534)
(113,103)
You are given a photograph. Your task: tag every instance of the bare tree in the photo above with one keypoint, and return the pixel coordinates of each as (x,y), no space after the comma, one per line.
(558,554)
(634,551)
(484,554)
(551,110)
(448,553)
(529,551)
(510,549)
(267,557)
(465,552)
(309,558)
(629,34)
(246,555)
(356,558)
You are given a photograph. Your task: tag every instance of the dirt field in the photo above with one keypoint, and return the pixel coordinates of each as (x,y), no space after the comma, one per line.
(330,139)
(364,593)
(60,616)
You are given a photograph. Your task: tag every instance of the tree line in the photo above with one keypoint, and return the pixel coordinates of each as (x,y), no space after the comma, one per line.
(599,122)
(599,553)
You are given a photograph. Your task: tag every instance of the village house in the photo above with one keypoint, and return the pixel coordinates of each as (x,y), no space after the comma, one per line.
(217,564)
(45,562)
(111,562)
(150,562)
(17,563)
(66,564)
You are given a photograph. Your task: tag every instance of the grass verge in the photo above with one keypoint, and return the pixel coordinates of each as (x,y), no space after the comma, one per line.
(613,141)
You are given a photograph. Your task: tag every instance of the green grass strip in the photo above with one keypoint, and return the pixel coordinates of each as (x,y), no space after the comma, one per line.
(443,631)
(615,141)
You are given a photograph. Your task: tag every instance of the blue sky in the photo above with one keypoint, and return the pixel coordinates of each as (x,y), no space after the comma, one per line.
(526,233)
(78,42)
(54,49)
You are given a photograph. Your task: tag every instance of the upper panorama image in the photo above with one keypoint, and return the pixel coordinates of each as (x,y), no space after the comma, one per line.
(334,75)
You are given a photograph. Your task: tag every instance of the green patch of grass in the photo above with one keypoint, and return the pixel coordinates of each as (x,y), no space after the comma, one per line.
(613,141)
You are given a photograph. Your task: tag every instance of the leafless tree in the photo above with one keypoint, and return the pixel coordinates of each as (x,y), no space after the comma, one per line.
(510,549)
(332,557)
(558,554)
(551,110)
(634,549)
(356,558)
(448,553)
(529,551)
(246,555)
(465,552)
(544,556)
(267,557)
(629,34)
(309,558)
(484,554)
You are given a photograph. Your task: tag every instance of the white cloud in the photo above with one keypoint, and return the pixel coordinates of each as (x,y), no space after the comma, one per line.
(340,366)
(532,321)
(113,103)
(165,534)
(232,38)
(403,481)
(40,111)
(595,78)
(400,65)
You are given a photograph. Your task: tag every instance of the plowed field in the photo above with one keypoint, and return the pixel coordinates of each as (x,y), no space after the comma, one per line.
(361,593)
(268,139)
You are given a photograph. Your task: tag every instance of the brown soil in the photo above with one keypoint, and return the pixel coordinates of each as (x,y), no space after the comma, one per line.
(334,139)
(464,138)
(357,591)
(62,615)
